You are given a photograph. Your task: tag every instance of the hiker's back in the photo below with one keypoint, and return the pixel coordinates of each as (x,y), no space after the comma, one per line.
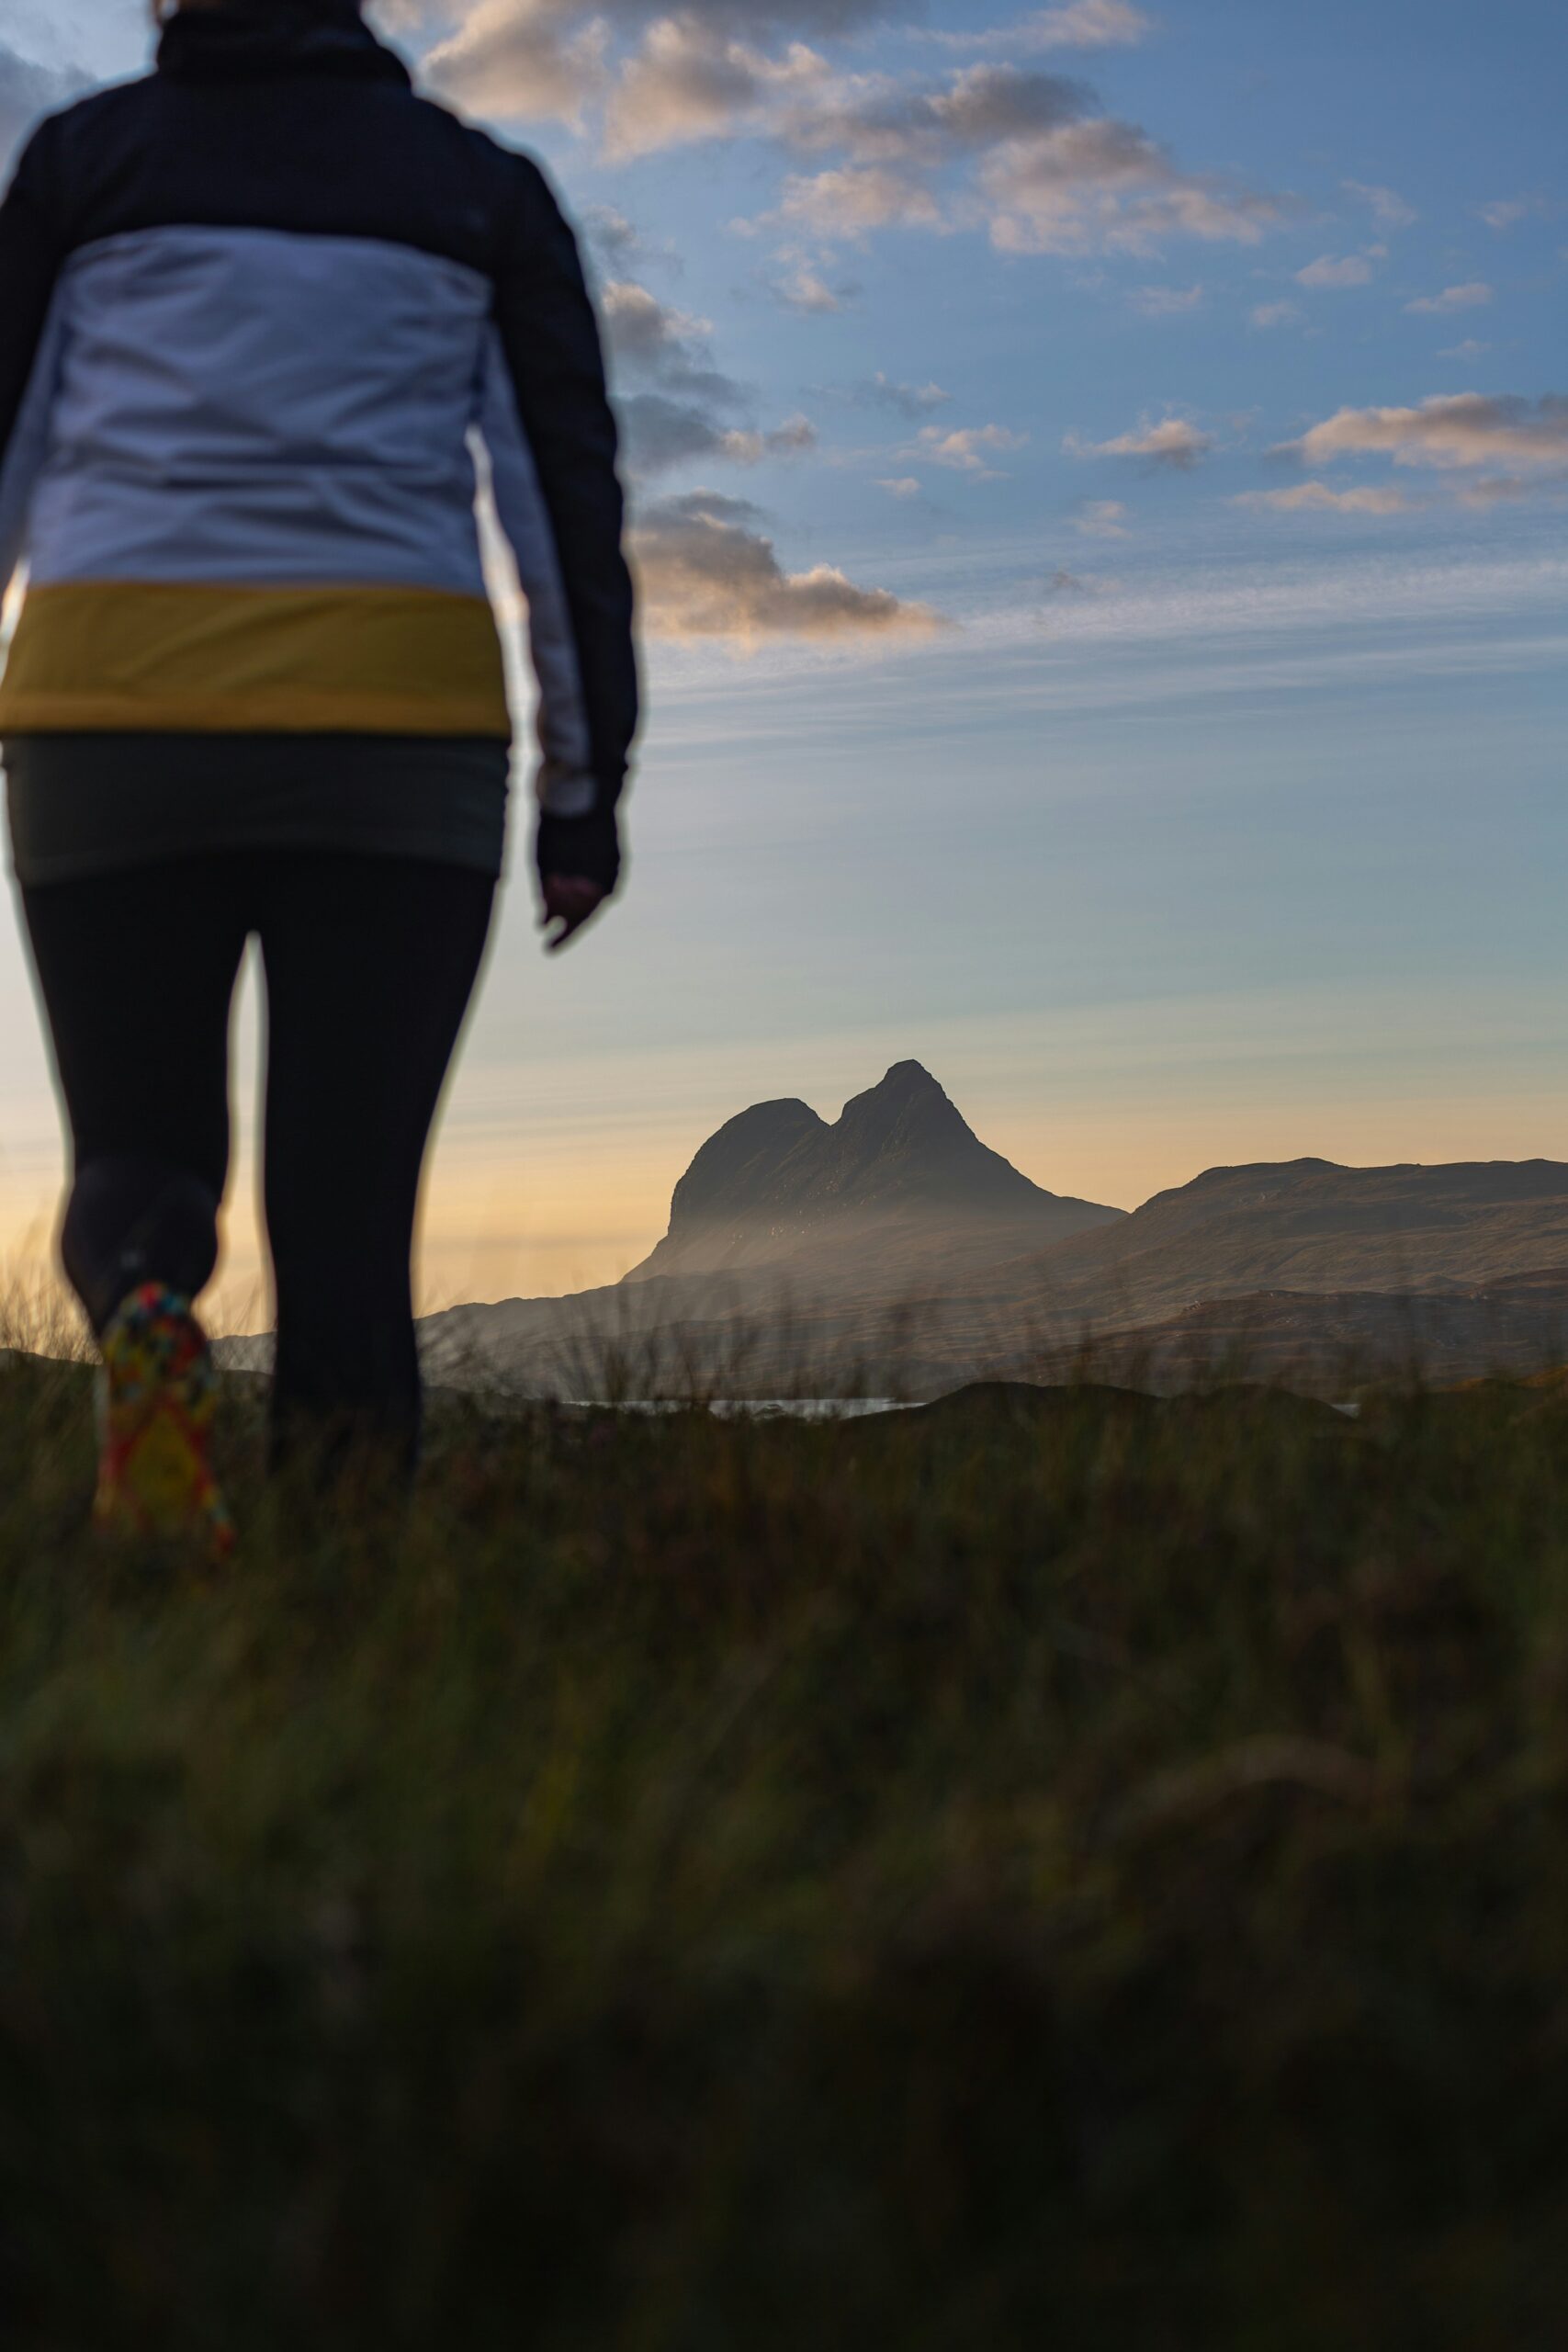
(269,343)
(290,400)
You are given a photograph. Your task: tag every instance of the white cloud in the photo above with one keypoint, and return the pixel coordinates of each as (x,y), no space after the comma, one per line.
(1102,518)
(1275,314)
(1175,442)
(1086,24)
(967,450)
(1328,269)
(1316,496)
(707,571)
(1505,212)
(879,118)
(1047,174)
(1391,210)
(522,62)
(794,438)
(852,202)
(1037,163)
(803,289)
(1082,24)
(1467,350)
(1103,184)
(1469,297)
(1449,430)
(906,486)
(690,81)
(909,400)
(1165,301)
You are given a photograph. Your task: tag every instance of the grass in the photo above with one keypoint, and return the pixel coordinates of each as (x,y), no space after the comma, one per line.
(1066,1872)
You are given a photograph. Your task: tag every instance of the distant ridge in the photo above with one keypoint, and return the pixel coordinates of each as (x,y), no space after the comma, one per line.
(899,1172)
(892,1248)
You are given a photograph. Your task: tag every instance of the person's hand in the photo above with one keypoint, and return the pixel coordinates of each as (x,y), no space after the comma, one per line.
(569,901)
(578,860)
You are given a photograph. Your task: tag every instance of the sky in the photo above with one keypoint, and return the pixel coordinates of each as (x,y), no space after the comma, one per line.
(1099,476)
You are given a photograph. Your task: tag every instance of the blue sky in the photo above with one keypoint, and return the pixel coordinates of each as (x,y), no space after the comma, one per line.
(1100,475)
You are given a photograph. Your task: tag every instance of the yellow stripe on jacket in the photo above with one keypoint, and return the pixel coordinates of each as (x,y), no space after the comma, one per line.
(110,655)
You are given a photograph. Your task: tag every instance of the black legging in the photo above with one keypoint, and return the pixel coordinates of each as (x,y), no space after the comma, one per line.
(370,964)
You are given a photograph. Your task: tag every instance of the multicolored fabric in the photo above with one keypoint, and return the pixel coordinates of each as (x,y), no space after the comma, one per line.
(271,319)
(157,1397)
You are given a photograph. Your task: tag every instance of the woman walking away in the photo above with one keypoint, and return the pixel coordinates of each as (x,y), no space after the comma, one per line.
(259,308)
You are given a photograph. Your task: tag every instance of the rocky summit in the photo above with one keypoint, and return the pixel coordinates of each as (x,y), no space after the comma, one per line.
(898,1171)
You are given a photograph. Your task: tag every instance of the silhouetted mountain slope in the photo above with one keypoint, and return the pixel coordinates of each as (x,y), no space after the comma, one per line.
(1307,1225)
(793,1245)
(901,1170)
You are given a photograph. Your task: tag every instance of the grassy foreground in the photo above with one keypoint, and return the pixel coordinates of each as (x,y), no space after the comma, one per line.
(1074,1874)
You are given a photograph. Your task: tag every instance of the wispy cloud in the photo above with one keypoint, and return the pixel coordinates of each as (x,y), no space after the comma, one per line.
(1101,518)
(1037,163)
(652,339)
(1336,270)
(1315,497)
(1165,301)
(1175,443)
(707,570)
(677,408)
(804,290)
(617,243)
(690,81)
(969,449)
(1099,184)
(1505,211)
(1387,207)
(662,433)
(1049,173)
(852,202)
(528,64)
(1082,24)
(907,399)
(1449,430)
(686,74)
(1275,314)
(1469,297)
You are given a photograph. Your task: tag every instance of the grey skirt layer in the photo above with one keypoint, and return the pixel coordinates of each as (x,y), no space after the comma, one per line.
(92,803)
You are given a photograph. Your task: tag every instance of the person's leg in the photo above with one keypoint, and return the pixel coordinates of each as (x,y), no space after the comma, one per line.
(137,974)
(138,1010)
(370,963)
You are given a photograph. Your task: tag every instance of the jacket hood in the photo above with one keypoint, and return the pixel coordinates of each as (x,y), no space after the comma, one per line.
(274,36)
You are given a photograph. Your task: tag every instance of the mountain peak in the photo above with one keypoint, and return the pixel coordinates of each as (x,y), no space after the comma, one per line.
(778,1181)
(909,1077)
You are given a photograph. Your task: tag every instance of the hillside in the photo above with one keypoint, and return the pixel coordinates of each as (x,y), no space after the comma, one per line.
(1308,1224)
(800,1252)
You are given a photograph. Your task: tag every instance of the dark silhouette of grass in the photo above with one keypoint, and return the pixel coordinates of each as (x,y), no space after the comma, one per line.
(1041,1870)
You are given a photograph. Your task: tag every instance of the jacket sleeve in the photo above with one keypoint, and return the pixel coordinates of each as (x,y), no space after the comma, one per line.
(558,497)
(30,246)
